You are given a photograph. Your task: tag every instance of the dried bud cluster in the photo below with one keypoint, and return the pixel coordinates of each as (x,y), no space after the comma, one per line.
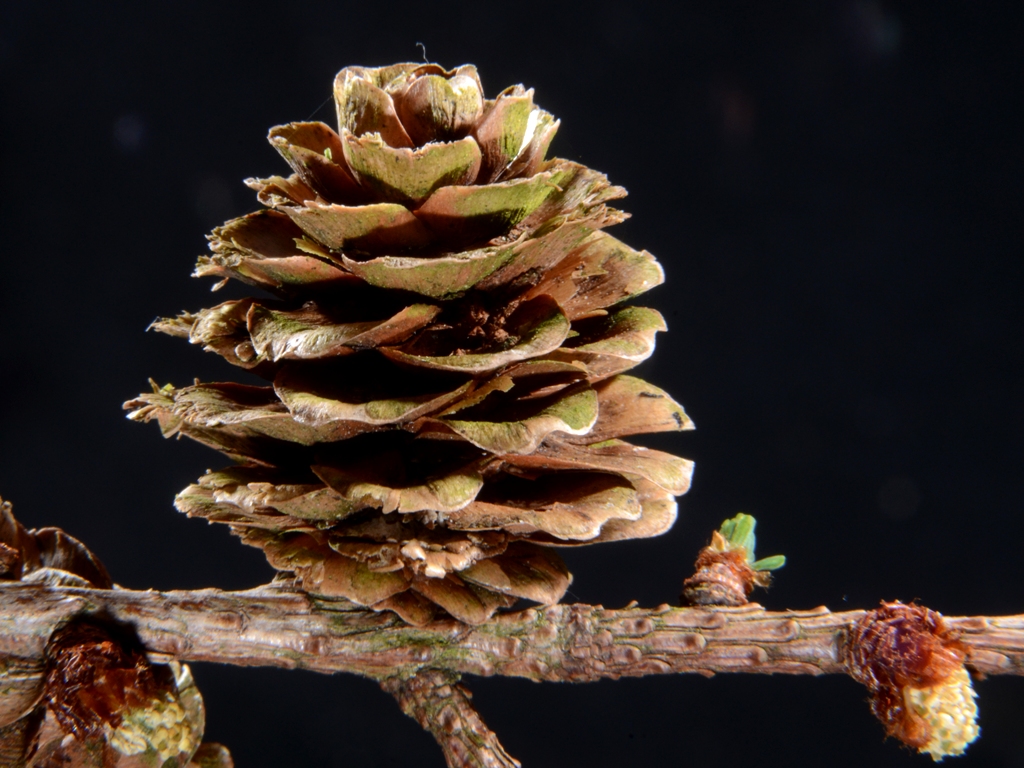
(103,690)
(913,667)
(445,356)
(95,700)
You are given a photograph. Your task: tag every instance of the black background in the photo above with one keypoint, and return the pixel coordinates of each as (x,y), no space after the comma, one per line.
(832,188)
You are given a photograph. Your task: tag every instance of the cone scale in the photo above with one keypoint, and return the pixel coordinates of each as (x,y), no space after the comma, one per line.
(445,356)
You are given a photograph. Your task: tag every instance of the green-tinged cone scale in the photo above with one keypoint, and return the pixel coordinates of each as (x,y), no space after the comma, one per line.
(445,356)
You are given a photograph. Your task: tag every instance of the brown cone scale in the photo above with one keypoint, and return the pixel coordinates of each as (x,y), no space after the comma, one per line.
(444,348)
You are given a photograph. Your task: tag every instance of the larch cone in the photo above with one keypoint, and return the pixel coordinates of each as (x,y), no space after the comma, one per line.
(445,356)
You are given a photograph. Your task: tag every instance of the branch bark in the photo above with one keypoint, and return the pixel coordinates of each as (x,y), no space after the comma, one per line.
(276,626)
(436,701)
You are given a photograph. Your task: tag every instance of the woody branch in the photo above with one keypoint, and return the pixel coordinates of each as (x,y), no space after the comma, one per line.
(275,626)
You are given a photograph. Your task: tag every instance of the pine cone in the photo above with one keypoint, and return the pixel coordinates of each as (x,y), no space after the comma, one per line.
(446,350)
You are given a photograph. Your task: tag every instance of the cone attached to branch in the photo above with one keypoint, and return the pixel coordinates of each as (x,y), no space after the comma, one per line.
(445,356)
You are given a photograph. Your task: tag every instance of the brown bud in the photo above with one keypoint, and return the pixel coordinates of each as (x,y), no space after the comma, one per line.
(723,574)
(722,578)
(912,665)
(10,561)
(93,678)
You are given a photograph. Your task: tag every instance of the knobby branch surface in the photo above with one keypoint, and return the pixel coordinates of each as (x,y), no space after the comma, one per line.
(277,626)
(436,701)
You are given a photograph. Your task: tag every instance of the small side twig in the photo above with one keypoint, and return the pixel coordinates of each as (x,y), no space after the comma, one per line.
(435,699)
